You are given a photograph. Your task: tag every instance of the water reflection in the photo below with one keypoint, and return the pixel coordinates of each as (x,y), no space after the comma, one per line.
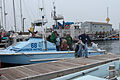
(112,46)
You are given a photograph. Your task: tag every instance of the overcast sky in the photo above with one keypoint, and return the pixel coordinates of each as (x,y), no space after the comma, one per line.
(72,10)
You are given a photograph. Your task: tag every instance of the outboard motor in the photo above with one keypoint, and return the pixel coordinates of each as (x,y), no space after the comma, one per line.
(94,46)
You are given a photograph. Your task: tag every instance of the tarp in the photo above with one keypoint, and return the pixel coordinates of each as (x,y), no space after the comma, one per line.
(64,23)
(69,23)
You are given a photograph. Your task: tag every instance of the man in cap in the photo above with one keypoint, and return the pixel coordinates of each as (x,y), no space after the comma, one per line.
(85,40)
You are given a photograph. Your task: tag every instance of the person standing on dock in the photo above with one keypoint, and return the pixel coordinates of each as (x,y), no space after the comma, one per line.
(85,40)
(78,49)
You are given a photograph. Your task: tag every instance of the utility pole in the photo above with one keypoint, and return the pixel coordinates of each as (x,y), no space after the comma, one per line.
(22,24)
(14,15)
(107,19)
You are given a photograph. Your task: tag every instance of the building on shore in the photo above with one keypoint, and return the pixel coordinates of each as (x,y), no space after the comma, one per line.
(99,30)
(97,27)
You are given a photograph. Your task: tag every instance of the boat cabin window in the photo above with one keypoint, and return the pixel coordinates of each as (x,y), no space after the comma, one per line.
(18,40)
(21,39)
(26,39)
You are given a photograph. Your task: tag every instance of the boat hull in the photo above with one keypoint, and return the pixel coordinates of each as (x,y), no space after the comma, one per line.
(38,57)
(34,58)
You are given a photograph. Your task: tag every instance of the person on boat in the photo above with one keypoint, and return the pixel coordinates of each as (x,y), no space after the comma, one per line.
(64,46)
(69,41)
(85,40)
(57,42)
(53,37)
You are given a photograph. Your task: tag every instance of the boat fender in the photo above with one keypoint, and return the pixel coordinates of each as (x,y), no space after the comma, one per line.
(83,73)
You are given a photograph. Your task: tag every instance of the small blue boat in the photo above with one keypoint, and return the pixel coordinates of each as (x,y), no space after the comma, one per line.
(34,51)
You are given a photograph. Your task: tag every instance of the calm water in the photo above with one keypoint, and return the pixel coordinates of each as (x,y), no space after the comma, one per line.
(112,46)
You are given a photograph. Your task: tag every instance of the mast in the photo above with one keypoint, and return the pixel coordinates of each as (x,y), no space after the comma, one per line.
(22,24)
(44,28)
(14,15)
(4,15)
(1,14)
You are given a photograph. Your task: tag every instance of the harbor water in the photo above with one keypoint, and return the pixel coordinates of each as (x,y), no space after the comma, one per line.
(111,46)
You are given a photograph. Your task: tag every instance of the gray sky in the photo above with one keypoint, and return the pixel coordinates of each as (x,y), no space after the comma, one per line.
(72,10)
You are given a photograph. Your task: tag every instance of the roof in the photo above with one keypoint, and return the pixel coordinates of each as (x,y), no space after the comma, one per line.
(100,23)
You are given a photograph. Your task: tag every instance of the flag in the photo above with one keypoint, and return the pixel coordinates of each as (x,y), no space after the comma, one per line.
(63,24)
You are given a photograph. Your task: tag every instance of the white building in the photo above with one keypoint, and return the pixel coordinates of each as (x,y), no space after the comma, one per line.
(94,27)
(74,30)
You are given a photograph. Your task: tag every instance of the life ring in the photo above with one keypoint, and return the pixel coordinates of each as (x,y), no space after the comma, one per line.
(67,26)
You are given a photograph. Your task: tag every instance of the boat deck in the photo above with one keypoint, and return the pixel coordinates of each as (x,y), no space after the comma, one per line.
(50,70)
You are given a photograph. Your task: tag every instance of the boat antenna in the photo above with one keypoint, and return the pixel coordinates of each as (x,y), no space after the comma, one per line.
(54,13)
(14,15)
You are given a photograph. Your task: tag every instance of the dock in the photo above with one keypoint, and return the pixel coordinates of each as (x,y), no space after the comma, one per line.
(50,70)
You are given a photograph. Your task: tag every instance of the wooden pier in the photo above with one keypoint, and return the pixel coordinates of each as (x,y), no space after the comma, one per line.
(50,70)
